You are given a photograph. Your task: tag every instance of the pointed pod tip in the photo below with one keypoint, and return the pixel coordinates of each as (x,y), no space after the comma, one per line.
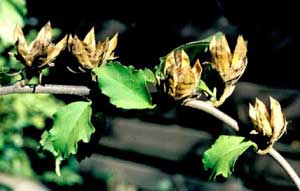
(251,106)
(18,33)
(258,100)
(115,38)
(92,30)
(259,103)
(116,35)
(48,25)
(18,26)
(65,39)
(90,39)
(197,69)
(223,37)
(252,112)
(241,38)
(182,58)
(91,33)
(274,104)
(212,43)
(242,44)
(75,37)
(272,99)
(70,37)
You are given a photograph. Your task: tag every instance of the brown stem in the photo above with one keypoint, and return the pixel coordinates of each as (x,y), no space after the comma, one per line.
(286,166)
(48,88)
(204,106)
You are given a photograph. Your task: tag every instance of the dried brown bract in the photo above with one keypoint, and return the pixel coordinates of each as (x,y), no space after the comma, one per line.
(181,80)
(271,125)
(41,52)
(89,53)
(230,67)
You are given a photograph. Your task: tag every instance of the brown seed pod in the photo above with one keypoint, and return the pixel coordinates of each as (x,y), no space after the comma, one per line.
(230,67)
(268,124)
(180,79)
(90,54)
(41,52)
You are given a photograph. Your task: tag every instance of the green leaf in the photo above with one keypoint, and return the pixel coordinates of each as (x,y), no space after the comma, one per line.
(47,144)
(149,76)
(196,47)
(125,86)
(193,49)
(71,125)
(159,69)
(11,13)
(222,155)
(199,45)
(203,87)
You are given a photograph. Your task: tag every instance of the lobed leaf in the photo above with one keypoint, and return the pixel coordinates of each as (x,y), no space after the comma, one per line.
(71,125)
(223,154)
(125,86)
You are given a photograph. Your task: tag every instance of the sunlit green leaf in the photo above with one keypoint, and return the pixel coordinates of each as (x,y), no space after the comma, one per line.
(149,76)
(71,125)
(199,45)
(11,13)
(125,86)
(203,87)
(159,69)
(196,47)
(222,155)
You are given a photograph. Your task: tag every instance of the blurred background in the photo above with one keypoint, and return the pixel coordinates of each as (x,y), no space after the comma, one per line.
(157,150)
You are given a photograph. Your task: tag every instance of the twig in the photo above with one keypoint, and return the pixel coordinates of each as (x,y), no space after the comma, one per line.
(201,105)
(49,88)
(286,166)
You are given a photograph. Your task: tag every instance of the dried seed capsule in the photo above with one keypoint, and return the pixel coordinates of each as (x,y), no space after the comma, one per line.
(269,124)
(39,53)
(180,80)
(90,54)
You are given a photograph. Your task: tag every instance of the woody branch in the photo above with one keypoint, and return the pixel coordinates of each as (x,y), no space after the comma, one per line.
(48,88)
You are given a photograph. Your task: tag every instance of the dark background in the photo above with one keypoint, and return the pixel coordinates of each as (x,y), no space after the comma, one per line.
(150,29)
